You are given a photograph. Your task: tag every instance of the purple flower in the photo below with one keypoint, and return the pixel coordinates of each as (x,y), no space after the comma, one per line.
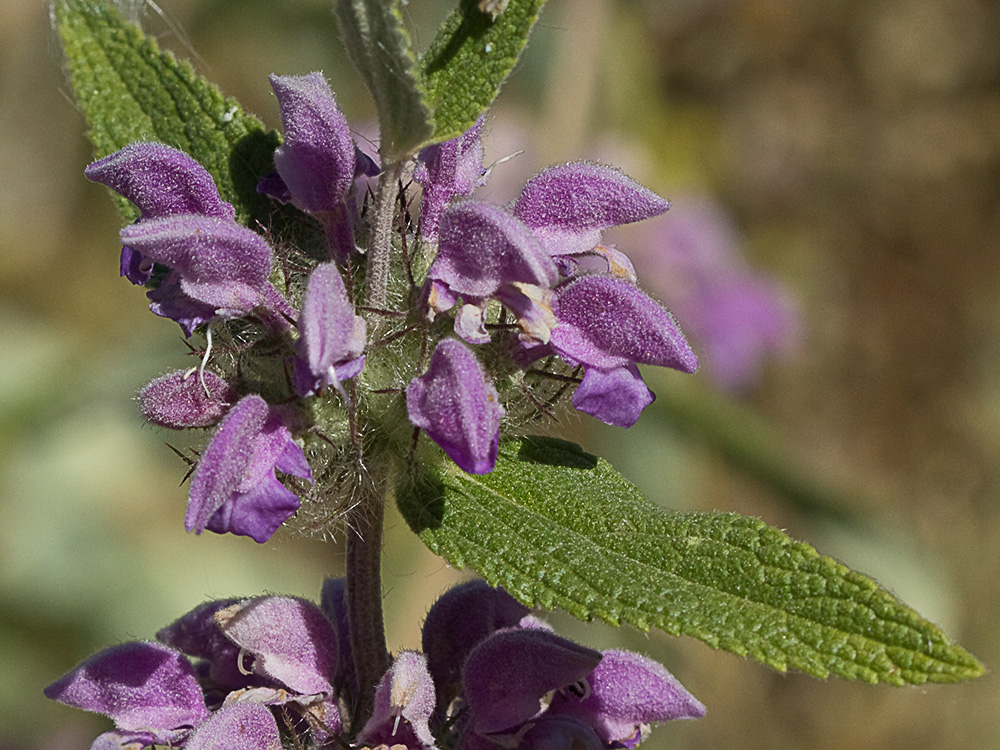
(197,634)
(332,336)
(623,694)
(247,726)
(507,675)
(318,161)
(269,650)
(570,205)
(448,170)
(741,317)
(485,253)
(149,690)
(404,702)
(234,489)
(460,619)
(218,264)
(458,408)
(217,268)
(186,398)
(608,326)
(160,181)
(333,602)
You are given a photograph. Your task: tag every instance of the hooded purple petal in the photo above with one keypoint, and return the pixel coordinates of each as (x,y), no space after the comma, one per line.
(569,206)
(627,692)
(141,686)
(332,336)
(220,263)
(605,322)
(198,634)
(460,619)
(616,397)
(316,161)
(457,407)
(290,638)
(447,170)
(507,675)
(247,726)
(559,733)
(481,247)
(186,398)
(404,702)
(333,602)
(169,300)
(160,181)
(234,489)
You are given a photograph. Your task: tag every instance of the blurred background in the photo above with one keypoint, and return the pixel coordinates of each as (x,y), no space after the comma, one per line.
(833,253)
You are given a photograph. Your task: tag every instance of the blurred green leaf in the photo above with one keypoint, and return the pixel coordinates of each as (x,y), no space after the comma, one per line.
(380,48)
(469,59)
(130,90)
(558,527)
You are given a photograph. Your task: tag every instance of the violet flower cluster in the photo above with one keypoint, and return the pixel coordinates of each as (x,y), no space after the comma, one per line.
(254,673)
(495,312)
(313,386)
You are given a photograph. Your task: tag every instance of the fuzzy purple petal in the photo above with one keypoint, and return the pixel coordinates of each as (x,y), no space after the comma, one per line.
(141,686)
(257,512)
(481,247)
(234,488)
(628,691)
(246,726)
(160,181)
(559,733)
(291,640)
(317,159)
(332,334)
(333,602)
(457,407)
(116,740)
(605,322)
(135,267)
(169,300)
(507,675)
(616,397)
(460,619)
(404,702)
(220,263)
(447,170)
(198,634)
(184,399)
(569,206)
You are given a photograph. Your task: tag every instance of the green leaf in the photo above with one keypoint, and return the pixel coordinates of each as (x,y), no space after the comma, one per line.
(380,48)
(469,59)
(558,527)
(130,90)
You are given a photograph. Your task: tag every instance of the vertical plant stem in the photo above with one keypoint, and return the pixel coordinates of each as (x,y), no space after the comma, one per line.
(377,277)
(364,541)
(364,599)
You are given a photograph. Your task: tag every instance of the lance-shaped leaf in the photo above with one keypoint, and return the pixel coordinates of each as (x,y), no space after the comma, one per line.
(558,527)
(469,59)
(379,46)
(129,90)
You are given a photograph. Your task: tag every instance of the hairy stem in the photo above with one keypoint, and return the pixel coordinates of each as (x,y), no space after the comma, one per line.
(377,277)
(364,599)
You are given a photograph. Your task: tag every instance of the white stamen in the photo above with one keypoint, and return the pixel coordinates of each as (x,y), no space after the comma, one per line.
(239,662)
(204,360)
